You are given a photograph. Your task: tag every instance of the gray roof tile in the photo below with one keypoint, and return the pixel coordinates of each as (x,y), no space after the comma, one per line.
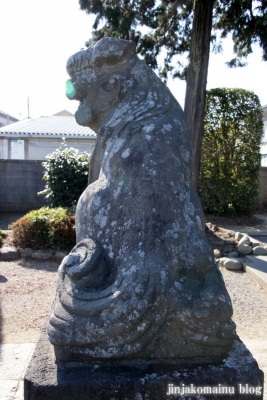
(56,126)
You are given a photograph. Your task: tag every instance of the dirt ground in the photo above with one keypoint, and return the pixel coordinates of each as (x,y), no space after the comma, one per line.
(27,290)
(238,220)
(218,226)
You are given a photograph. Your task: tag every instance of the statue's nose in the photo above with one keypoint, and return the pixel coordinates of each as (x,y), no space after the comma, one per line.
(70,89)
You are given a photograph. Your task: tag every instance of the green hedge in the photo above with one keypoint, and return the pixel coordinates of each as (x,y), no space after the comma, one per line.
(230,159)
(45,229)
(2,235)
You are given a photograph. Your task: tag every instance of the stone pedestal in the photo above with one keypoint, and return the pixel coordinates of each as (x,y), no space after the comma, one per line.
(236,377)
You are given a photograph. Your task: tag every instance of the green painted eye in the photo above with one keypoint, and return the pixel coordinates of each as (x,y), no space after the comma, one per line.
(70,89)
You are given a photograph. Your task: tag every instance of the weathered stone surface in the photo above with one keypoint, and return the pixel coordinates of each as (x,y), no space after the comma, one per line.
(141,284)
(233,264)
(244,249)
(244,240)
(222,259)
(233,254)
(212,227)
(41,254)
(9,253)
(217,253)
(259,251)
(231,233)
(254,242)
(46,379)
(238,235)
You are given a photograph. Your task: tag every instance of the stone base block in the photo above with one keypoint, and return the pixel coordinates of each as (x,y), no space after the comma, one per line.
(236,377)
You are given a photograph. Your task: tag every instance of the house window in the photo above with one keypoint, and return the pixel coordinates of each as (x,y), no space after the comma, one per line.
(17,149)
(264,160)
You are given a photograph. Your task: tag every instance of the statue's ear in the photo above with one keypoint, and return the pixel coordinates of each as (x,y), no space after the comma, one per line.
(112,51)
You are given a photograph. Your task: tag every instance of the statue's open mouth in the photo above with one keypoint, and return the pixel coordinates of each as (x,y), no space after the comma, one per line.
(84,115)
(70,89)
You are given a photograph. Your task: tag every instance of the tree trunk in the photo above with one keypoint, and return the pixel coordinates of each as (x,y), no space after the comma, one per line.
(195,97)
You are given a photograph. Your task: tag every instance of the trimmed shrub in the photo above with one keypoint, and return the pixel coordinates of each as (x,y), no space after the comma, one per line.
(66,176)
(2,235)
(230,158)
(46,228)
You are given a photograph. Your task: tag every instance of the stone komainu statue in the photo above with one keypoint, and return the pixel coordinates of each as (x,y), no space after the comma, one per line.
(141,283)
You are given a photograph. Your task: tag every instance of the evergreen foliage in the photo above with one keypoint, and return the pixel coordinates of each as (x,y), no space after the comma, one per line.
(156,25)
(45,229)
(247,21)
(66,176)
(2,235)
(167,25)
(230,159)
(174,28)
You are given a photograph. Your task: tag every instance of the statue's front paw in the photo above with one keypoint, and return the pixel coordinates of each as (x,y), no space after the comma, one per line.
(85,265)
(70,260)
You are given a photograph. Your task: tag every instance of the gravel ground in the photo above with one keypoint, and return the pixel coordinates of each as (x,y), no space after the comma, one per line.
(27,290)
(249,301)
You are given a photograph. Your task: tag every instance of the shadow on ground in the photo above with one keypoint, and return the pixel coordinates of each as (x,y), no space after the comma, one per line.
(44,265)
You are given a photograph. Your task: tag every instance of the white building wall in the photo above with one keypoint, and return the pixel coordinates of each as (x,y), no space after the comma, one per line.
(39,148)
(3,149)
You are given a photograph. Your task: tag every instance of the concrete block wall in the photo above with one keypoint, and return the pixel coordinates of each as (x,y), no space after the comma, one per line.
(262,204)
(20,180)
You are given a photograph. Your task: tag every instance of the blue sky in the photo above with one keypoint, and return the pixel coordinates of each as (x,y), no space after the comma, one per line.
(37,37)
